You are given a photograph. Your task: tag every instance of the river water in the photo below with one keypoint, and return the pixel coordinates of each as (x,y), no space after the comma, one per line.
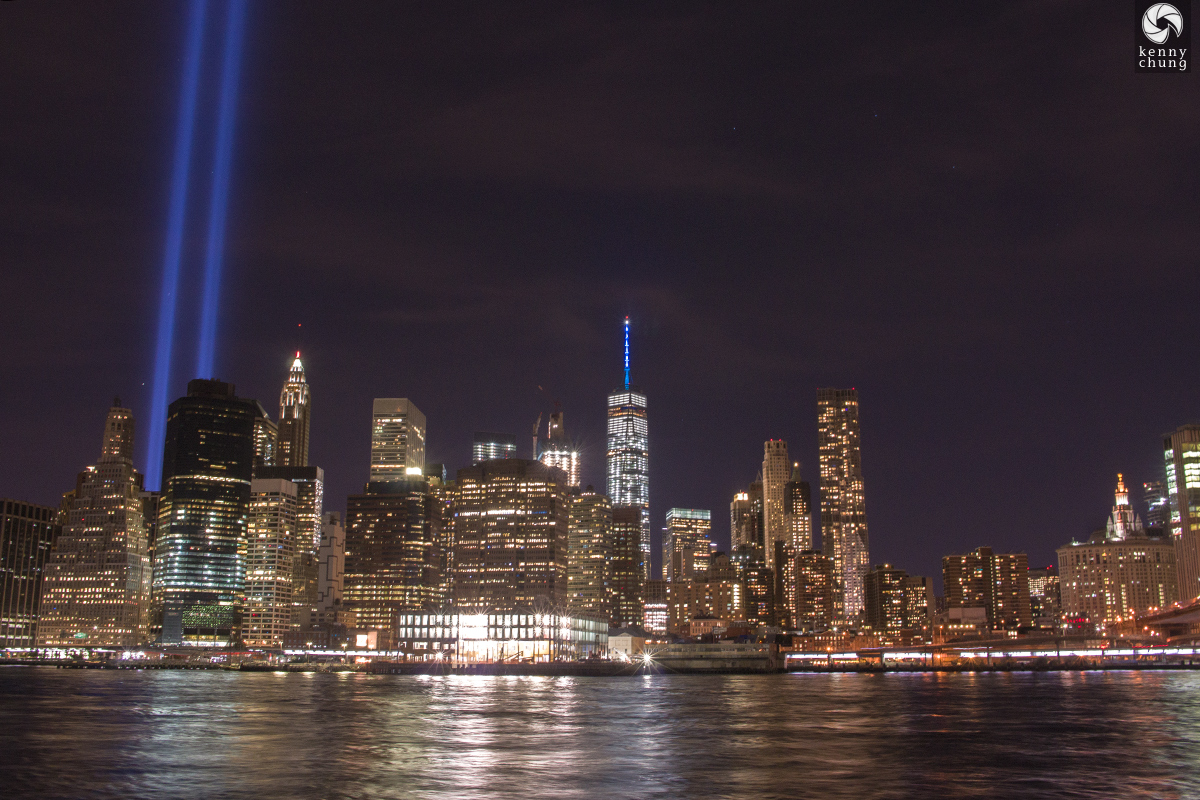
(75,733)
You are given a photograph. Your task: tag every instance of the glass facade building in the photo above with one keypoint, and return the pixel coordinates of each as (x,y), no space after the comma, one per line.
(397,439)
(27,535)
(393,559)
(628,457)
(510,535)
(200,555)
(1181,453)
(520,635)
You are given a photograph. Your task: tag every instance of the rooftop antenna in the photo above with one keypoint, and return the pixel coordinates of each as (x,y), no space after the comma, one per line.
(627,353)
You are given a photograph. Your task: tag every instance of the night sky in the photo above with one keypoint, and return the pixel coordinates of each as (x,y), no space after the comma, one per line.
(981,217)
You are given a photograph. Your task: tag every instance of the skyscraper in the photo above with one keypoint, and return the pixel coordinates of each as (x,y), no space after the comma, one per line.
(589,554)
(559,451)
(628,462)
(997,582)
(687,543)
(1121,571)
(393,552)
(266,437)
(883,595)
(776,471)
(270,555)
(741,527)
(814,591)
(843,503)
(97,584)
(628,576)
(310,501)
(510,535)
(490,446)
(397,439)
(199,560)
(1181,452)
(1158,507)
(27,535)
(294,408)
(797,513)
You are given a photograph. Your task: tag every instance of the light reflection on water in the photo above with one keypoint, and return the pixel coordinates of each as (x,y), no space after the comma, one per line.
(67,733)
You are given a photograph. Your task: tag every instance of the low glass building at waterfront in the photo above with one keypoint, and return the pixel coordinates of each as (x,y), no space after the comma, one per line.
(516,636)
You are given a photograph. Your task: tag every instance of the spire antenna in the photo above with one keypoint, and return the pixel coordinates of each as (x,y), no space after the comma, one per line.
(627,352)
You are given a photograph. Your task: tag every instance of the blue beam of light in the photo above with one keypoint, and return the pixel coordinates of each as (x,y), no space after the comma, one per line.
(627,352)
(180,177)
(219,202)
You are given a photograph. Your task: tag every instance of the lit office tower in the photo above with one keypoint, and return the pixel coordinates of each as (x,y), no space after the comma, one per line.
(741,527)
(199,561)
(310,502)
(510,535)
(270,551)
(27,535)
(96,590)
(776,472)
(490,446)
(559,452)
(629,453)
(292,450)
(589,554)
(843,504)
(393,553)
(397,439)
(627,575)
(1158,507)
(266,438)
(687,545)
(797,513)
(1181,451)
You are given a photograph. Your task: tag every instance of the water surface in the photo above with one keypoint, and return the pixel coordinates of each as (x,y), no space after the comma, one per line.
(74,733)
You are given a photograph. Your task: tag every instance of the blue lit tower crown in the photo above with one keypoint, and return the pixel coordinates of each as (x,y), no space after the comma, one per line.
(629,453)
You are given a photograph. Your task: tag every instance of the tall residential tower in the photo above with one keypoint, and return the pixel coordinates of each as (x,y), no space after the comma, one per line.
(629,454)
(776,472)
(843,503)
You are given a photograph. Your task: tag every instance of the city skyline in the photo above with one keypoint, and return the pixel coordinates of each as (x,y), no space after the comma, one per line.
(721,535)
(958,265)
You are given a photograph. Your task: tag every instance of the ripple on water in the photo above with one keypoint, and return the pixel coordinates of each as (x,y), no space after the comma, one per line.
(68,733)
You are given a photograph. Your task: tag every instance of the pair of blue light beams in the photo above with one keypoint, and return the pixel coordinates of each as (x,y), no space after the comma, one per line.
(235,22)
